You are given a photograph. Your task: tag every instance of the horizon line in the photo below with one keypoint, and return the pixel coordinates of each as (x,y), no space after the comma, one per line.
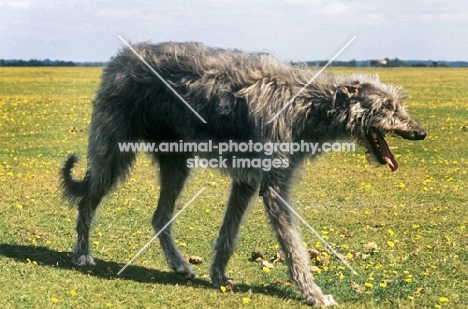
(291,61)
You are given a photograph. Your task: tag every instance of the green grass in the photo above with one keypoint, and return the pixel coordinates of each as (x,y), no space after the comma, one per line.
(417,216)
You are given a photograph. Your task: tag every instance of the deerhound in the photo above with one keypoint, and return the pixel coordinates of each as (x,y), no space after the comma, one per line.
(237,94)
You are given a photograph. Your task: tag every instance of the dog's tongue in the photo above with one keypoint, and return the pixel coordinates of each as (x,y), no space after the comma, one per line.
(387,155)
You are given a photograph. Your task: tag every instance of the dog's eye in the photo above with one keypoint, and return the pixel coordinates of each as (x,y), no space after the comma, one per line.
(388,104)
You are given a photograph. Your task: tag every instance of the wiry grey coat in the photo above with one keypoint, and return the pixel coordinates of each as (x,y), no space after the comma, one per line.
(237,94)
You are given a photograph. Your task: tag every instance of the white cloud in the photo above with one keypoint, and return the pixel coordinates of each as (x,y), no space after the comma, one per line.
(375,17)
(117,14)
(335,9)
(437,17)
(16,4)
(307,3)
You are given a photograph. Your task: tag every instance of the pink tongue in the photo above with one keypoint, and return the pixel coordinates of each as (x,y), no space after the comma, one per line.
(387,154)
(391,162)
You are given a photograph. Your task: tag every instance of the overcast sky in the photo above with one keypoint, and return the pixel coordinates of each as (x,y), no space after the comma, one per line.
(295,30)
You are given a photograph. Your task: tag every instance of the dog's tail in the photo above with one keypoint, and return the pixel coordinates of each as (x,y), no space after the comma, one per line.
(73,190)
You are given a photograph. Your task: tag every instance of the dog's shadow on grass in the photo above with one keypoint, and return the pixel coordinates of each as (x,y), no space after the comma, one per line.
(46,257)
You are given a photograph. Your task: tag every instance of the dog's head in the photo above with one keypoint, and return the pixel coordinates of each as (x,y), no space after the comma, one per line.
(372,110)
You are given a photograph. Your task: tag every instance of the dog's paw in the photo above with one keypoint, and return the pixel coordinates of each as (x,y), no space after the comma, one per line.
(321,301)
(185,271)
(220,280)
(84,260)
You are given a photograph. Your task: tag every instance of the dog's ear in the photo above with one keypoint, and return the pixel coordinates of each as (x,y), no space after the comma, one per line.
(350,91)
(346,92)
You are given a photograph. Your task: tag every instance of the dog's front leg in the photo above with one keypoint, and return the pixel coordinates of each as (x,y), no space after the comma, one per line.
(282,222)
(241,194)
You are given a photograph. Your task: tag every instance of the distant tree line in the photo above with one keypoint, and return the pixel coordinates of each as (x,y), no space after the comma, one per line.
(36,63)
(45,63)
(386,63)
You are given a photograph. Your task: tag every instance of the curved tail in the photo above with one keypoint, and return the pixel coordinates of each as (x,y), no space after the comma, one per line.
(73,190)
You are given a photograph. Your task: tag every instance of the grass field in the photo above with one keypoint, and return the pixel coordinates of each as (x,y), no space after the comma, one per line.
(417,216)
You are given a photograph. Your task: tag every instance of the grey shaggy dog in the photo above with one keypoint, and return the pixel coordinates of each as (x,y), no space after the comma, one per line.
(237,94)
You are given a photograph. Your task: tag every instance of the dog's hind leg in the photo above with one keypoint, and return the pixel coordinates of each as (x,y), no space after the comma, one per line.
(241,194)
(287,233)
(173,173)
(105,169)
(86,211)
(107,164)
